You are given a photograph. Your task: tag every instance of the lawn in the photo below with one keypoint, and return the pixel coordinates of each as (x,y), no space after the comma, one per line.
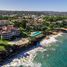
(4,44)
(2,48)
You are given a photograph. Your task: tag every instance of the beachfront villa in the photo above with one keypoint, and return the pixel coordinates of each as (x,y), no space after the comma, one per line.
(7,32)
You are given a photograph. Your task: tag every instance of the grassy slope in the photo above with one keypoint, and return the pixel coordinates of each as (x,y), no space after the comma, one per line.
(2,47)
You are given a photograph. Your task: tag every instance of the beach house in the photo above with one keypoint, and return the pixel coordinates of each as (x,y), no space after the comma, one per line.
(7,32)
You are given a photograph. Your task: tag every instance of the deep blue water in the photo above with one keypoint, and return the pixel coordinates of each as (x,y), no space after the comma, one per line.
(56,54)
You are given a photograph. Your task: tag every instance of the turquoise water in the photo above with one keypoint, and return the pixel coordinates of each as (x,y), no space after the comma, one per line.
(55,56)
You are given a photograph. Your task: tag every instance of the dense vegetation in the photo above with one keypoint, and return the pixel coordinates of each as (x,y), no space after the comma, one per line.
(49,23)
(55,21)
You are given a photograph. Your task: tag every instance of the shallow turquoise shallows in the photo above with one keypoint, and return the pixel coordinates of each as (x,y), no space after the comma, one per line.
(55,56)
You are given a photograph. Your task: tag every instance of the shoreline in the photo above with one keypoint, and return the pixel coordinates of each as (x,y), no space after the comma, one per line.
(51,39)
(28,61)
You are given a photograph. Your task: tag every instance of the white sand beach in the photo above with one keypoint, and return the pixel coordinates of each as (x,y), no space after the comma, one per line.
(28,61)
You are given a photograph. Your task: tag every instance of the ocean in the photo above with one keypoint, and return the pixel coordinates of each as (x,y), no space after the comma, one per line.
(55,55)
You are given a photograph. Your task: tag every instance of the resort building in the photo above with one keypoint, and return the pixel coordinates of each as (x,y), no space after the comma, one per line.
(7,32)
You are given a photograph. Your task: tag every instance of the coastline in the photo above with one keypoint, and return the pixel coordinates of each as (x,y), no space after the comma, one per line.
(51,39)
(28,61)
